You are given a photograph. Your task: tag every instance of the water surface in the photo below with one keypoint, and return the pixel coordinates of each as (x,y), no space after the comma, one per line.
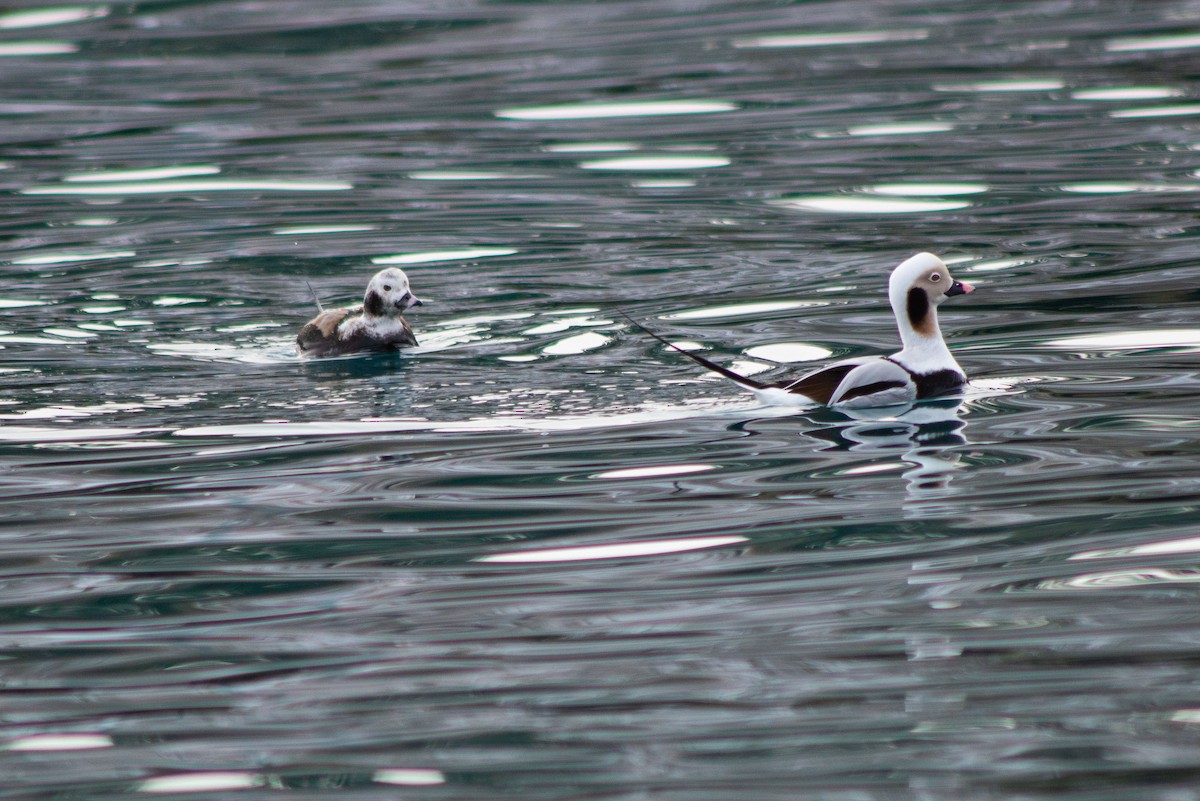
(540,556)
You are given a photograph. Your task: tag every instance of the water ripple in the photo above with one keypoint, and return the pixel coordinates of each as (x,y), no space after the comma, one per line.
(592,111)
(539,553)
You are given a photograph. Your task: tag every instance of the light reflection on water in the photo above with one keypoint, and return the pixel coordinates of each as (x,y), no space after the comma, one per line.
(661,162)
(848,204)
(190,186)
(541,556)
(592,111)
(832,39)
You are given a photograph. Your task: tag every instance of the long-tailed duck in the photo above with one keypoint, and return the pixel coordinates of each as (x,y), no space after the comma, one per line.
(924,367)
(374,326)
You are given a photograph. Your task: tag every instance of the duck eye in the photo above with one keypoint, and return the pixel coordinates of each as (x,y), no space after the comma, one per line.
(935,277)
(387,287)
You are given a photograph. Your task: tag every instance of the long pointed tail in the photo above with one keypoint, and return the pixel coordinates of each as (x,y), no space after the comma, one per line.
(748,383)
(316,299)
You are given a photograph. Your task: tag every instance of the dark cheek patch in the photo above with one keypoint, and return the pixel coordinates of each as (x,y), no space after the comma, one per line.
(373,304)
(918,311)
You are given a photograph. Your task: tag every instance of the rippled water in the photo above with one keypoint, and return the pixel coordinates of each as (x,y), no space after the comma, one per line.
(541,557)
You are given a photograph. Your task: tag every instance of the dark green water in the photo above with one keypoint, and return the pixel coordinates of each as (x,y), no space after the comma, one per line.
(540,557)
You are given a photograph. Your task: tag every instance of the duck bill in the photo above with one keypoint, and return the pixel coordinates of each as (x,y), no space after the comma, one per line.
(407,302)
(959,288)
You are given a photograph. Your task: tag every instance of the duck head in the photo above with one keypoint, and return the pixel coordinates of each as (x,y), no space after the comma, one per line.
(917,287)
(388,294)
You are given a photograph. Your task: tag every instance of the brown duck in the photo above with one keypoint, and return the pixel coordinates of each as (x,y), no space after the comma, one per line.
(376,325)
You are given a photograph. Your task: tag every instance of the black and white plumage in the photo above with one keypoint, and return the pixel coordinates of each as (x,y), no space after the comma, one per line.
(376,325)
(923,368)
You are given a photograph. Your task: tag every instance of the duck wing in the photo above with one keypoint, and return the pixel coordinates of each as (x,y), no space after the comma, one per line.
(320,330)
(872,381)
(821,385)
(875,381)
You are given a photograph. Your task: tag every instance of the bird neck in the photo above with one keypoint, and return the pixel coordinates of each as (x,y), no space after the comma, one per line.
(923,350)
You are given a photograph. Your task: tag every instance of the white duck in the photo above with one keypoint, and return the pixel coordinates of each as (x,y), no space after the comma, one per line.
(376,325)
(924,367)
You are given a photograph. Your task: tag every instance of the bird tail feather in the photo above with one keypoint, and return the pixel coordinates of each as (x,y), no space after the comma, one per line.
(737,378)
(316,299)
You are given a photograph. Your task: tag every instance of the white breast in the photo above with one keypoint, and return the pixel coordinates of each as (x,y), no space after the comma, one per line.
(373,327)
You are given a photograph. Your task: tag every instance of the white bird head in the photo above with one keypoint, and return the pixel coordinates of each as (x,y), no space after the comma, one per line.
(917,286)
(388,294)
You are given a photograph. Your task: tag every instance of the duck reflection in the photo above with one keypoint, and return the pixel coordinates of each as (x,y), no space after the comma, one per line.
(926,435)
